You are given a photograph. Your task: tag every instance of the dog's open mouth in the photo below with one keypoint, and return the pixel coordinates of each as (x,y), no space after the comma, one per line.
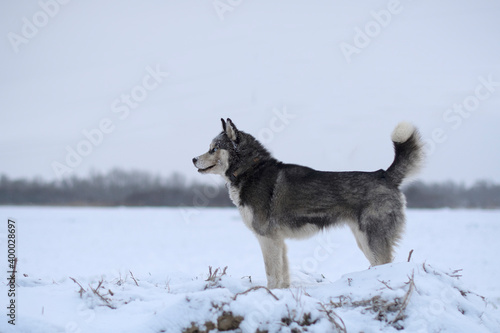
(206,169)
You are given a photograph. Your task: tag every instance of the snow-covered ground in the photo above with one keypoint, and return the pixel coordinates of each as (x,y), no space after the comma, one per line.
(145,270)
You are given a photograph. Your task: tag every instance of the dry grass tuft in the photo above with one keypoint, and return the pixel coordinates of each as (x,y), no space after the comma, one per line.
(382,308)
(97,291)
(334,318)
(255,288)
(103,297)
(214,277)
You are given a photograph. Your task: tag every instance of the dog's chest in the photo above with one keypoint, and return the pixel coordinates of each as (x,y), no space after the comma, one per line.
(245,211)
(234,194)
(246,215)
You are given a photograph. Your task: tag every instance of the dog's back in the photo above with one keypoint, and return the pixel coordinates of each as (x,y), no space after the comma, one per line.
(291,196)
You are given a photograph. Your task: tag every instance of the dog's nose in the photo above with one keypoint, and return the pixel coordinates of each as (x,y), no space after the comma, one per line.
(195,159)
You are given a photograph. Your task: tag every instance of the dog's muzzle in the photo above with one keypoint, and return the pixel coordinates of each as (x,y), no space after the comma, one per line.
(201,170)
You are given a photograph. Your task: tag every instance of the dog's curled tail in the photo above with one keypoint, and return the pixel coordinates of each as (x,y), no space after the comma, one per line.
(408,148)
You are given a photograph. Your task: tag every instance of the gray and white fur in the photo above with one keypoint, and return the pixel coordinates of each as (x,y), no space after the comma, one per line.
(278,200)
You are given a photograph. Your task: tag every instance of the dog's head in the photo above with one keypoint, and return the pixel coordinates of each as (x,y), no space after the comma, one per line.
(231,152)
(216,160)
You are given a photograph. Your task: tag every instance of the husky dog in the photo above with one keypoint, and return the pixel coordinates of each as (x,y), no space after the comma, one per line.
(278,200)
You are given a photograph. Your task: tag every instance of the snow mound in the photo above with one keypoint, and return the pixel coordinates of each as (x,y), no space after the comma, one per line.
(388,298)
(414,297)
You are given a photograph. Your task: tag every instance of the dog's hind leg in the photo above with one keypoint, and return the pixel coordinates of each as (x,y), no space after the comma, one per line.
(275,261)
(362,241)
(381,249)
(376,247)
(378,230)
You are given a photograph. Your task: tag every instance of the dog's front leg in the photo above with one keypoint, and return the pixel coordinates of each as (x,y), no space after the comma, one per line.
(275,261)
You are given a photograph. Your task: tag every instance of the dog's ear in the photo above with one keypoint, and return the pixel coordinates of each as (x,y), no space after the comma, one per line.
(223,124)
(231,130)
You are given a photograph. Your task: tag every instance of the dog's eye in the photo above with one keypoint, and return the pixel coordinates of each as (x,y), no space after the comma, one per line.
(214,150)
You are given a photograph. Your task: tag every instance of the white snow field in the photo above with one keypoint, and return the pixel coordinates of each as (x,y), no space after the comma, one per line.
(146,270)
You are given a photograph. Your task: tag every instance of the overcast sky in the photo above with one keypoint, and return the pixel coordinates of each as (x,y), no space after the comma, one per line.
(93,85)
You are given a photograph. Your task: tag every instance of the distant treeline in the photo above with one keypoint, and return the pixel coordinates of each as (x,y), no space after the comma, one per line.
(115,188)
(482,194)
(137,188)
